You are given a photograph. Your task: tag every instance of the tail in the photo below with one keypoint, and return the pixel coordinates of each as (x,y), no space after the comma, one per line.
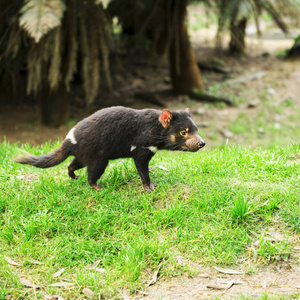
(46,161)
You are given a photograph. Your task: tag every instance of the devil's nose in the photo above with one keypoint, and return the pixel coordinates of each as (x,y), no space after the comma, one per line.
(201,144)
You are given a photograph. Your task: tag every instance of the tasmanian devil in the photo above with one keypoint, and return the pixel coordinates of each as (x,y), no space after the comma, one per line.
(119,132)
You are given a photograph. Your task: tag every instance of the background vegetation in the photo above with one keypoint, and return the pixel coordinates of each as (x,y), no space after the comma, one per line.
(49,47)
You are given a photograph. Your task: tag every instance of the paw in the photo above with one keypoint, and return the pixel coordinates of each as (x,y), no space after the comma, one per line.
(149,188)
(73,176)
(96,186)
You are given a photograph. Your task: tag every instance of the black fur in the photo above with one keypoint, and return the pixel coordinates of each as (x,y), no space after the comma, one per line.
(119,132)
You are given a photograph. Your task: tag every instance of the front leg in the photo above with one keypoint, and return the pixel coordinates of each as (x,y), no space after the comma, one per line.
(142,165)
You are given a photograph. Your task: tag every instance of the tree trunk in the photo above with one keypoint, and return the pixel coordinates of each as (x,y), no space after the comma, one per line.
(185,74)
(54,106)
(238,32)
(294,52)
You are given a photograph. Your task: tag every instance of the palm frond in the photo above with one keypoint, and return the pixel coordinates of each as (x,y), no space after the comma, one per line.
(54,74)
(93,32)
(274,12)
(34,67)
(245,8)
(71,42)
(38,17)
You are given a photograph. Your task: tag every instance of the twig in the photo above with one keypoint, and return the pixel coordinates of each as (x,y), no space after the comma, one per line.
(208,98)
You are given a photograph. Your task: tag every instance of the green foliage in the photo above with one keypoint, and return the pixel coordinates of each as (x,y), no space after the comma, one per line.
(209,206)
(60,37)
(234,11)
(241,209)
(270,250)
(282,54)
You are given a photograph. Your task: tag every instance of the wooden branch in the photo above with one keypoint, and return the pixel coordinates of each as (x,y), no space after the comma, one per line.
(212,66)
(199,96)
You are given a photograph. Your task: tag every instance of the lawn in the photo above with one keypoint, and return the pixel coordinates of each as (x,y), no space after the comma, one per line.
(209,207)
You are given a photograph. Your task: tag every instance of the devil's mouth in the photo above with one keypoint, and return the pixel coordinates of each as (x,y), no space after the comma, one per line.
(193,149)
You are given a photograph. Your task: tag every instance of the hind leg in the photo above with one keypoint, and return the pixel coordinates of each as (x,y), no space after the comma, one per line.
(95,171)
(74,165)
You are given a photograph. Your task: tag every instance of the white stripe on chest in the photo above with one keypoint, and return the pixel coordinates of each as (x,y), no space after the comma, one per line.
(152,149)
(70,136)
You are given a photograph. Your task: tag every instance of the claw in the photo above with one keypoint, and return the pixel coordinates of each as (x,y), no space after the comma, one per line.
(96,186)
(149,188)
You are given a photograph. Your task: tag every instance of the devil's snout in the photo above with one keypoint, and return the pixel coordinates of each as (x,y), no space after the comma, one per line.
(201,144)
(195,143)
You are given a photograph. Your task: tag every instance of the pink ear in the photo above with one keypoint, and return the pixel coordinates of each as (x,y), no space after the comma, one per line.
(165,118)
(188,111)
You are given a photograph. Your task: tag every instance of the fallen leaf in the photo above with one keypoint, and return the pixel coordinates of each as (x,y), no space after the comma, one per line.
(216,287)
(264,284)
(62,284)
(255,255)
(256,244)
(53,297)
(34,261)
(163,168)
(93,266)
(265,203)
(58,273)
(229,285)
(229,271)
(101,270)
(11,262)
(154,276)
(28,283)
(142,292)
(232,283)
(203,275)
(88,292)
(125,295)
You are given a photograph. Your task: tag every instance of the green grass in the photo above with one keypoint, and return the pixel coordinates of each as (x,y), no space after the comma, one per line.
(209,206)
(273,125)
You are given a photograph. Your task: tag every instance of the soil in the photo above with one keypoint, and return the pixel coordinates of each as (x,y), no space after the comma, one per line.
(275,280)
(19,124)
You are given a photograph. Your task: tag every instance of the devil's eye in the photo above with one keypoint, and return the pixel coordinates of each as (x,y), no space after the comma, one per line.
(183,133)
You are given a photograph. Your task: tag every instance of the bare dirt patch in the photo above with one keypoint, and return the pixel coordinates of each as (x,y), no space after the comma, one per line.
(277,279)
(20,124)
